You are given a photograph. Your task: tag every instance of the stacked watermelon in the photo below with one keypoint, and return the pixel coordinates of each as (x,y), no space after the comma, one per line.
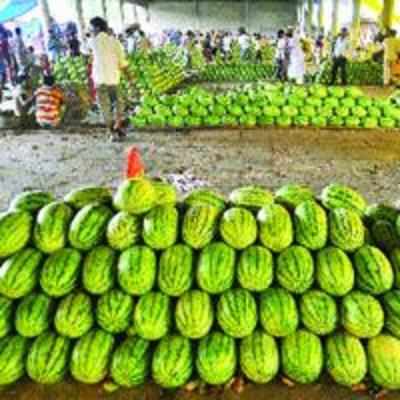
(134,285)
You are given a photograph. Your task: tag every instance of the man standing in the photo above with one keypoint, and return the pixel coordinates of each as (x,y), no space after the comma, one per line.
(244,42)
(340,49)
(281,58)
(108,62)
(21,55)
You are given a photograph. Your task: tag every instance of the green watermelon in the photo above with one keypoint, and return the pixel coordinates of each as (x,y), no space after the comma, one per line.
(74,315)
(123,231)
(391,306)
(60,273)
(251,196)
(13,351)
(165,193)
(82,197)
(237,313)
(216,268)
(362,315)
(6,316)
(346,361)
(381,212)
(255,270)
(341,196)
(172,364)
(175,275)
(19,274)
(137,269)
(292,195)
(216,358)
(48,357)
(302,357)
(205,197)
(395,261)
(385,236)
(91,356)
(31,201)
(275,227)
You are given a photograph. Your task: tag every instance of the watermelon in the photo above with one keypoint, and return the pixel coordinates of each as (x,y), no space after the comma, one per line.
(238,228)
(165,193)
(341,196)
(381,212)
(199,225)
(15,232)
(276,228)
(385,236)
(346,361)
(19,274)
(74,315)
(152,316)
(135,196)
(82,197)
(123,231)
(172,364)
(253,197)
(295,269)
(48,357)
(318,312)
(194,314)
(362,315)
(278,312)
(175,275)
(131,361)
(259,357)
(374,273)
(91,356)
(205,197)
(160,227)
(391,306)
(216,268)
(114,311)
(137,268)
(98,272)
(33,315)
(395,261)
(255,270)
(216,358)
(60,273)
(311,225)
(346,229)
(237,313)
(334,271)
(383,354)
(51,227)
(6,316)
(89,226)
(302,356)
(13,352)
(31,201)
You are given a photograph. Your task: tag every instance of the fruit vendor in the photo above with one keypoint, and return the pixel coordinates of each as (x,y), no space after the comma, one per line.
(340,50)
(391,56)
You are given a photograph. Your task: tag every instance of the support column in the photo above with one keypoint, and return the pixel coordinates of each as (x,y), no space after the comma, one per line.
(335,17)
(135,14)
(104,9)
(122,12)
(388,14)
(46,18)
(78,6)
(356,24)
(310,14)
(247,16)
(321,16)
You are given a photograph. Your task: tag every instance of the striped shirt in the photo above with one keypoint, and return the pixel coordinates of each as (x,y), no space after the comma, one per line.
(48,106)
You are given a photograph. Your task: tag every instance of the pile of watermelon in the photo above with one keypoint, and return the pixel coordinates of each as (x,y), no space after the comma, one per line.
(133,286)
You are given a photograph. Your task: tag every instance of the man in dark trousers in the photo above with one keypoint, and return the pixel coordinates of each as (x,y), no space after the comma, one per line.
(340,49)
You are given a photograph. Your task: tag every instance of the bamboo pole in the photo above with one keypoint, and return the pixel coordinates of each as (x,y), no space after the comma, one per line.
(387,17)
(335,17)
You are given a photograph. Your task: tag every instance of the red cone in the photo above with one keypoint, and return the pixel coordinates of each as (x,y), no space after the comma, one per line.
(134,166)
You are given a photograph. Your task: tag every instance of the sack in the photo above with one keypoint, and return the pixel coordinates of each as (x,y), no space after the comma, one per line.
(396,68)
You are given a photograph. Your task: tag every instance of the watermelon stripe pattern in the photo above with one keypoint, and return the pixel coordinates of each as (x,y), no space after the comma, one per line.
(6,316)
(13,352)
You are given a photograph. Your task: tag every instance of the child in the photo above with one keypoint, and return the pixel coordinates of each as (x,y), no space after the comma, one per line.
(22,99)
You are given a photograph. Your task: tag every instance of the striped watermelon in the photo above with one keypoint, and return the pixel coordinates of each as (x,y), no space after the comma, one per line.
(318,312)
(255,270)
(278,312)
(383,354)
(341,196)
(19,274)
(131,361)
(237,313)
(48,357)
(346,229)
(295,269)
(74,315)
(152,316)
(160,227)
(374,273)
(391,306)
(51,227)
(137,269)
(172,364)
(395,261)
(165,193)
(82,197)
(13,351)
(385,236)
(33,315)
(89,226)
(99,271)
(334,271)
(205,197)
(199,226)
(6,316)
(346,361)
(251,196)
(15,232)
(114,311)
(362,315)
(311,224)
(302,357)
(238,228)
(216,358)
(135,196)
(381,212)
(31,201)
(60,272)
(194,314)
(216,268)
(91,356)
(175,274)
(123,231)
(292,195)
(275,227)
(259,357)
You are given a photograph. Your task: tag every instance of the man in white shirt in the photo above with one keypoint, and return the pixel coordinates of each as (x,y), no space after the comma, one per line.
(109,61)
(340,49)
(244,41)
